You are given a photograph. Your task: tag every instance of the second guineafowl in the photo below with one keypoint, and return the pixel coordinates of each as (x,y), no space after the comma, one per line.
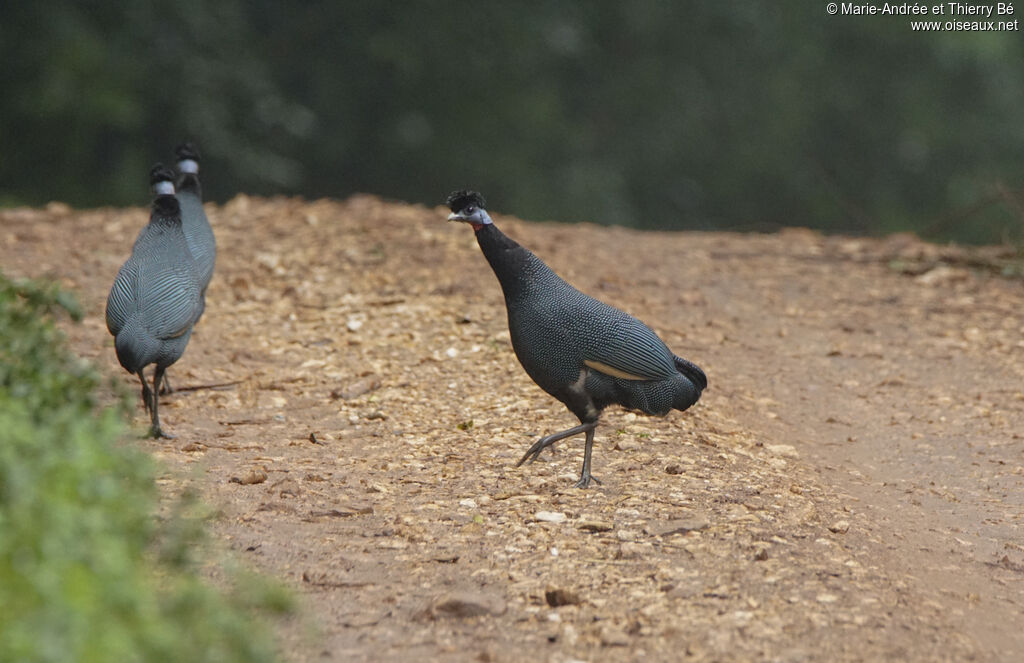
(156,298)
(198,233)
(583,352)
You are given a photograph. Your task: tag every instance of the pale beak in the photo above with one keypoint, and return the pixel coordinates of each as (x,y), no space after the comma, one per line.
(454,216)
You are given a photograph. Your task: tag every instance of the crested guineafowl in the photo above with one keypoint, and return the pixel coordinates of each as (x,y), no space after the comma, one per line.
(198,233)
(156,297)
(583,352)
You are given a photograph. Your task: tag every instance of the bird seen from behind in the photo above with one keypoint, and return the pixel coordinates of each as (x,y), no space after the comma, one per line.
(198,233)
(156,297)
(585,353)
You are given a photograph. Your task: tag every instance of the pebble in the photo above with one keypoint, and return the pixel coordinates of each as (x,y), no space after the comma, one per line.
(594,525)
(612,636)
(255,475)
(357,388)
(677,526)
(785,450)
(629,550)
(467,604)
(840,527)
(557,597)
(943,275)
(550,516)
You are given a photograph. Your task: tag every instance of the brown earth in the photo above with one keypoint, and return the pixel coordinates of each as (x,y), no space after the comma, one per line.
(849,488)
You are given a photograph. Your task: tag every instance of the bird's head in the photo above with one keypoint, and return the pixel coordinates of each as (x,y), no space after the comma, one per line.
(165,206)
(161,179)
(188,157)
(468,207)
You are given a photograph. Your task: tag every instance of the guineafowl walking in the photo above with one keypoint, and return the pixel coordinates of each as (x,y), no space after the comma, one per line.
(581,351)
(156,297)
(198,233)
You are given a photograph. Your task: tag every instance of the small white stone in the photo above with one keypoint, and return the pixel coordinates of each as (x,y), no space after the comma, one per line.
(469,503)
(742,617)
(840,527)
(550,516)
(787,450)
(354,324)
(452,353)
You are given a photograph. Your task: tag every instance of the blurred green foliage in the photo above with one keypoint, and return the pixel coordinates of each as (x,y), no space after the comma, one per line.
(87,572)
(740,115)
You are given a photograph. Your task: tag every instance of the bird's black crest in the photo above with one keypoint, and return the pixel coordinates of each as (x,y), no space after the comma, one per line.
(187,150)
(160,173)
(166,206)
(459,200)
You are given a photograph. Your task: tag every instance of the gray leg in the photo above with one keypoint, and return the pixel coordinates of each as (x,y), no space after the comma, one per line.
(147,395)
(165,386)
(585,476)
(154,430)
(548,440)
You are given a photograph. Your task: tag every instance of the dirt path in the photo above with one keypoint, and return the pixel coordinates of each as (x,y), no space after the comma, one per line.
(848,489)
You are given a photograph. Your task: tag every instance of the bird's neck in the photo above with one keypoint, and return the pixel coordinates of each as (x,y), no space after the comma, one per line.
(168,222)
(189,183)
(509,260)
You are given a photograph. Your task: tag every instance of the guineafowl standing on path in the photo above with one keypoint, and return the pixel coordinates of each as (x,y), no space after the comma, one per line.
(581,351)
(198,233)
(156,297)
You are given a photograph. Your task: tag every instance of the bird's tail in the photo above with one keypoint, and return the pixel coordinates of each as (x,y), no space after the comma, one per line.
(135,348)
(692,372)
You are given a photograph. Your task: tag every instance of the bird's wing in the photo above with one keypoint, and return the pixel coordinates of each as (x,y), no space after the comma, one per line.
(631,351)
(169,297)
(121,300)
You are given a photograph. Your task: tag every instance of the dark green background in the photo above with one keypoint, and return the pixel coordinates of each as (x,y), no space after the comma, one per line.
(655,114)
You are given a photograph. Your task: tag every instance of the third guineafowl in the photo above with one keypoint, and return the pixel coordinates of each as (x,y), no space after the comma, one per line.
(156,298)
(583,352)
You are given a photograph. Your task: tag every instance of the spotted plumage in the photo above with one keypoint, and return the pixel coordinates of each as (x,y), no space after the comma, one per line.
(585,353)
(155,301)
(198,233)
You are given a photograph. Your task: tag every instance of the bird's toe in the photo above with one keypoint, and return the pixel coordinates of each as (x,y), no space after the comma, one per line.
(585,480)
(157,433)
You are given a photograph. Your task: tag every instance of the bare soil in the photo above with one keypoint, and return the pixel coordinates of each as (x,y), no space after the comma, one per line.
(848,489)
